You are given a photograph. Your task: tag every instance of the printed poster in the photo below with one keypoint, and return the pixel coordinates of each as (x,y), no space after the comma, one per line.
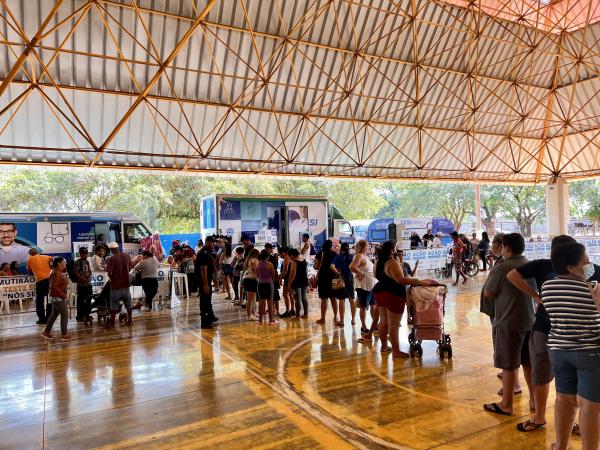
(54,237)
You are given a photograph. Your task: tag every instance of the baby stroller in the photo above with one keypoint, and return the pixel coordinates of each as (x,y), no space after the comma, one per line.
(101,305)
(426,313)
(101,302)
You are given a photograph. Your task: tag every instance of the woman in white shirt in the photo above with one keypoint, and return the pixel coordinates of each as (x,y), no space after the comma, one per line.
(225,263)
(364,281)
(98,260)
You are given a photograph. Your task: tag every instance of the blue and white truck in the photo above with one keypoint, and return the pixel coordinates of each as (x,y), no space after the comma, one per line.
(378,230)
(62,234)
(277,219)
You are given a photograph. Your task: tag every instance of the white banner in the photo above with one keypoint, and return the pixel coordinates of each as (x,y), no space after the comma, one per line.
(99,280)
(17,288)
(541,250)
(429,258)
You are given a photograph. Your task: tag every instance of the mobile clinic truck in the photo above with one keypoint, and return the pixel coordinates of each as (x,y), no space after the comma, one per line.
(276,219)
(61,234)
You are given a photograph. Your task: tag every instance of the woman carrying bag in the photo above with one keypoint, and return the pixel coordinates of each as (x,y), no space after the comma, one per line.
(326,272)
(342,263)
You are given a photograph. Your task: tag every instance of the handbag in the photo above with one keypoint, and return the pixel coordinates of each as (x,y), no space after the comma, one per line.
(338,283)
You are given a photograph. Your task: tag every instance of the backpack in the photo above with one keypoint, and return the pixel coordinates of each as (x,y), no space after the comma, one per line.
(313,251)
(71,270)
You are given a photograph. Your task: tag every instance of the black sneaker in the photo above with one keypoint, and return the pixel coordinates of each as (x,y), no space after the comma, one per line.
(214,319)
(206,326)
(41,322)
(285,314)
(292,313)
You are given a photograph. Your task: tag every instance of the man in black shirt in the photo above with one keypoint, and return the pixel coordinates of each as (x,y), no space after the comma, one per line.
(541,270)
(427,238)
(205,268)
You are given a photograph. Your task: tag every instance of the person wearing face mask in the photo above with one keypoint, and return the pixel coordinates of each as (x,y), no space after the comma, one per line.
(574,345)
(513,318)
(541,270)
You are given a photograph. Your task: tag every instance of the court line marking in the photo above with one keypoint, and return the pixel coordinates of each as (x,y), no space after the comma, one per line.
(284,389)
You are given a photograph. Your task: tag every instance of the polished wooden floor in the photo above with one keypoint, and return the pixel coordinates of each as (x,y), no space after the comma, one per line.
(165,383)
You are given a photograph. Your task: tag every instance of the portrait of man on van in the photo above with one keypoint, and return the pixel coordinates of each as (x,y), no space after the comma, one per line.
(10,249)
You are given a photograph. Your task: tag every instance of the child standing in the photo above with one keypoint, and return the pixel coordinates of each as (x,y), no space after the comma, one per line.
(58,298)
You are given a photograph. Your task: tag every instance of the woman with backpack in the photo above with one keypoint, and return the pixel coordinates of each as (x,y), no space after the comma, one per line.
(58,298)
(342,263)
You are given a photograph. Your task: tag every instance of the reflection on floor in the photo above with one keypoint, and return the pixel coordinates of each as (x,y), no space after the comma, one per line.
(165,383)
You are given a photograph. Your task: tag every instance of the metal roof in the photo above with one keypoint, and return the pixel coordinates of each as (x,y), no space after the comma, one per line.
(487,90)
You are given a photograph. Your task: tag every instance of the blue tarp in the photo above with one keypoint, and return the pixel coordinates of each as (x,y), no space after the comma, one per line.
(191,239)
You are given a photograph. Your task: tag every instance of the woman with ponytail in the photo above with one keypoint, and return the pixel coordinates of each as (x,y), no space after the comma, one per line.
(58,298)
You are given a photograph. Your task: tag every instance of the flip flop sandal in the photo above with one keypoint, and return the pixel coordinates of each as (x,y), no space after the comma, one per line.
(494,408)
(528,426)
(386,349)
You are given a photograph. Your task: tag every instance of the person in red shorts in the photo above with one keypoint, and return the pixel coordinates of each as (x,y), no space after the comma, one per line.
(390,296)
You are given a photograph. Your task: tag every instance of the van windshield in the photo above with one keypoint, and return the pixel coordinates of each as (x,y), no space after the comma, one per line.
(134,232)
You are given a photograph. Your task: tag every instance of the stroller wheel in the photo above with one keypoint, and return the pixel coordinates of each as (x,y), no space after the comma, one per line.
(418,350)
(449,352)
(447,339)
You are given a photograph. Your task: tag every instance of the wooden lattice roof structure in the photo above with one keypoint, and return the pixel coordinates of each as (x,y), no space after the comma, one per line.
(482,90)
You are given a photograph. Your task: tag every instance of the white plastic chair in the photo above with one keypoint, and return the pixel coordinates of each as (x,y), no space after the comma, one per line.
(71,297)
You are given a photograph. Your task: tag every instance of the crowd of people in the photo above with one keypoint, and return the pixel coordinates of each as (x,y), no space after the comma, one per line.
(544,313)
(53,274)
(253,279)
(545,319)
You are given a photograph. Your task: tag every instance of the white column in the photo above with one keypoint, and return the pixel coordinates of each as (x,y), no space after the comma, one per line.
(477,208)
(557,206)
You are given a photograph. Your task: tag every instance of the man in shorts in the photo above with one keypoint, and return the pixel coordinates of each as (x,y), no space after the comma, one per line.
(118,267)
(513,318)
(540,270)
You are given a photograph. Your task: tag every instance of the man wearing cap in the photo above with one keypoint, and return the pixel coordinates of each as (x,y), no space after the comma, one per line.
(204,268)
(83,278)
(437,240)
(118,267)
(39,266)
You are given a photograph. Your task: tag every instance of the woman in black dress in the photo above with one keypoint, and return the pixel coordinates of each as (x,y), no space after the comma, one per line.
(326,272)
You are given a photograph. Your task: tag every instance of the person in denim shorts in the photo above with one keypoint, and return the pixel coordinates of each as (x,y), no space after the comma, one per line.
(574,345)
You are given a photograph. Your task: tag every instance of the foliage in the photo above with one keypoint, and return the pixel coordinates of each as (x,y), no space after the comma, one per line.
(584,198)
(493,199)
(169,203)
(528,203)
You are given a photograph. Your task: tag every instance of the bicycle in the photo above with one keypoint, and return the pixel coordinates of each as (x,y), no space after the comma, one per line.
(470,268)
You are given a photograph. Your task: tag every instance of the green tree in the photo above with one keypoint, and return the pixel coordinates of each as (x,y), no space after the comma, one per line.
(525,205)
(492,201)
(455,202)
(584,197)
